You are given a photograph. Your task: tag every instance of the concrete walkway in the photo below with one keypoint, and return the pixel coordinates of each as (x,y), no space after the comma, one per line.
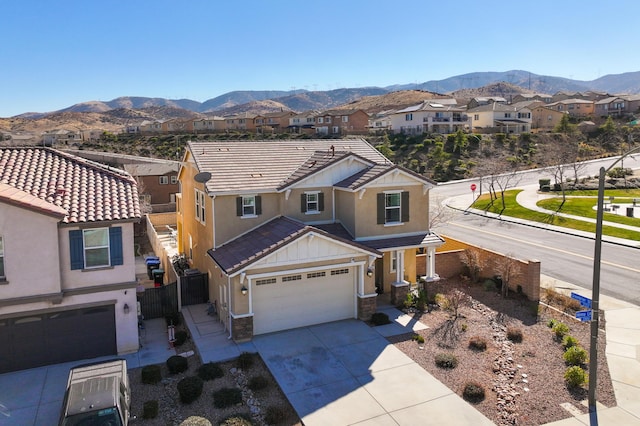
(622,327)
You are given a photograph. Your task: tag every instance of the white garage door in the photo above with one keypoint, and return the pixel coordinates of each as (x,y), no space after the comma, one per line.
(298,300)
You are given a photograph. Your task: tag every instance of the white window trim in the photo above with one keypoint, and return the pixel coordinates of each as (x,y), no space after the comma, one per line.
(2,277)
(249,215)
(393,264)
(85,248)
(317,202)
(399,207)
(174,180)
(201,211)
(164,180)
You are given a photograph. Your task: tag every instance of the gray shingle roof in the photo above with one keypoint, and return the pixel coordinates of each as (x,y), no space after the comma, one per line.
(261,166)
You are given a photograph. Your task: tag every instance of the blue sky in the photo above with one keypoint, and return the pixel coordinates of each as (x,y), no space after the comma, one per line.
(58,53)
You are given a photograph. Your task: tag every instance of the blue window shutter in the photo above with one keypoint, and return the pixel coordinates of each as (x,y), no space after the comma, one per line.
(76,249)
(115,245)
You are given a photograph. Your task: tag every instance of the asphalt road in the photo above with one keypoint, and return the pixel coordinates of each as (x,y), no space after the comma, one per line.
(563,256)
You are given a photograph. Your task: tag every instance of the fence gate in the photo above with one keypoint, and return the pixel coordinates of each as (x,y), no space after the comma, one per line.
(194,289)
(158,302)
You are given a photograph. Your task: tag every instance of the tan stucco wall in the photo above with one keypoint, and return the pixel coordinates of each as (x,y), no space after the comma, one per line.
(345,210)
(292,206)
(366,213)
(229,226)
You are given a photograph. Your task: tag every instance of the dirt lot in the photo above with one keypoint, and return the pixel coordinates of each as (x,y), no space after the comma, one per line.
(523,381)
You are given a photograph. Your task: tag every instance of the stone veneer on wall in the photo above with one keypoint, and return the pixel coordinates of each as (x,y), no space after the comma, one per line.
(399,293)
(242,329)
(366,307)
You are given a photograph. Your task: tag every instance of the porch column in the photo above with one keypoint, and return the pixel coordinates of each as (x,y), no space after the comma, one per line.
(431,265)
(399,288)
(399,266)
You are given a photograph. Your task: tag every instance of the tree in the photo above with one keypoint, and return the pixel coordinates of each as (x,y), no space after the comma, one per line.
(498,181)
(565,155)
(439,213)
(565,126)
(507,267)
(473,261)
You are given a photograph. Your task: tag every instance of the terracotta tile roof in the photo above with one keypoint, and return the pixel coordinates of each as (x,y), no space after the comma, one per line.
(85,190)
(11,195)
(267,238)
(255,166)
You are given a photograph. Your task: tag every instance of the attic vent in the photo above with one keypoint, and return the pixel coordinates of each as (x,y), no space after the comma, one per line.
(223,149)
(300,147)
(256,175)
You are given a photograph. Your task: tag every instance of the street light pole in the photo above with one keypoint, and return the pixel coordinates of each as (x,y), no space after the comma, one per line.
(595,290)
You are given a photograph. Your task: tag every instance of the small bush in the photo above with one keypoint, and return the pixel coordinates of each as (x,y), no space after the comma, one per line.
(236,420)
(151,374)
(464,326)
(245,360)
(575,355)
(180,337)
(275,415)
(560,329)
(210,371)
(569,341)
(150,409)
(380,318)
(473,392)
(489,285)
(177,364)
(418,338)
(257,383)
(226,397)
(443,301)
(446,361)
(551,323)
(477,343)
(190,388)
(575,376)
(514,334)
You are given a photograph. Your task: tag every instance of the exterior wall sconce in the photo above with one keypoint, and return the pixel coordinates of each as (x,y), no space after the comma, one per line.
(369,272)
(126,309)
(244,291)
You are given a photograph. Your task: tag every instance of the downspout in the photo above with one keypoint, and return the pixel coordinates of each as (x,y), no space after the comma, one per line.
(333,205)
(213,220)
(229,307)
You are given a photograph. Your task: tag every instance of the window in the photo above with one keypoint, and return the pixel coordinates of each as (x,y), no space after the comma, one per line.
(164,180)
(408,117)
(312,202)
(340,271)
(345,118)
(316,274)
(507,115)
(174,179)
(200,207)
(476,116)
(320,120)
(394,261)
(2,275)
(266,281)
(393,207)
(248,206)
(291,278)
(95,247)
(335,130)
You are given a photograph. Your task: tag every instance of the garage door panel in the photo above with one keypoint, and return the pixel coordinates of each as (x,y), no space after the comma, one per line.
(304,302)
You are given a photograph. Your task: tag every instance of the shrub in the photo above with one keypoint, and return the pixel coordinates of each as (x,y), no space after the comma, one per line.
(443,301)
(464,326)
(236,420)
(575,355)
(177,364)
(421,302)
(489,285)
(180,337)
(477,343)
(190,388)
(575,376)
(473,392)
(150,409)
(257,383)
(446,361)
(560,329)
(245,360)
(514,334)
(151,374)
(275,415)
(551,323)
(380,318)
(226,397)
(569,341)
(210,371)
(418,338)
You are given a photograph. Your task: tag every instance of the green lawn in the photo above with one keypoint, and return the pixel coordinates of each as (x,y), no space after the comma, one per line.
(514,209)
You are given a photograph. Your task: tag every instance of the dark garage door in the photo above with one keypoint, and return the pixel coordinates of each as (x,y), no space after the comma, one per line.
(36,340)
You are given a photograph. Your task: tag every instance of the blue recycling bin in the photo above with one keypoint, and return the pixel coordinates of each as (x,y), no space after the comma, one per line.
(152,262)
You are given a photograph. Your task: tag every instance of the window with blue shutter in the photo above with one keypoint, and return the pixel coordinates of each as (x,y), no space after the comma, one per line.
(115,246)
(76,248)
(96,247)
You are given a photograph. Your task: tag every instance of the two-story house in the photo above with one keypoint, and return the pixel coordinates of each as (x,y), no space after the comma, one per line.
(67,270)
(499,117)
(303,122)
(574,107)
(618,106)
(157,182)
(342,122)
(434,116)
(299,232)
(273,122)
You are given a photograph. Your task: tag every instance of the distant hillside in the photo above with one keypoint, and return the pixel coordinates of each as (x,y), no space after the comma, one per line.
(392,100)
(502,89)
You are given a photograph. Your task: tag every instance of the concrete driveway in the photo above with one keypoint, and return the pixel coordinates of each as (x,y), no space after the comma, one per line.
(346,373)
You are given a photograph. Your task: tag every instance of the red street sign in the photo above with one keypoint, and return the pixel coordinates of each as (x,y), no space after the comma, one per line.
(473,186)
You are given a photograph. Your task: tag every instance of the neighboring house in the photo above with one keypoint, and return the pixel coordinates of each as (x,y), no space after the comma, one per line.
(574,107)
(157,182)
(544,118)
(485,100)
(243,122)
(342,122)
(303,122)
(92,135)
(67,270)
(299,232)
(61,137)
(522,97)
(205,125)
(273,122)
(617,105)
(148,126)
(381,121)
(430,117)
(498,117)
(589,95)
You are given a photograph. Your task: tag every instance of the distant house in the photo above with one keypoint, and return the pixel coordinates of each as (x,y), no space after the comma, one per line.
(381,121)
(342,122)
(303,122)
(498,117)
(588,95)
(485,100)
(67,268)
(544,118)
(61,137)
(620,105)
(207,125)
(574,107)
(431,116)
(242,122)
(158,183)
(532,97)
(273,122)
